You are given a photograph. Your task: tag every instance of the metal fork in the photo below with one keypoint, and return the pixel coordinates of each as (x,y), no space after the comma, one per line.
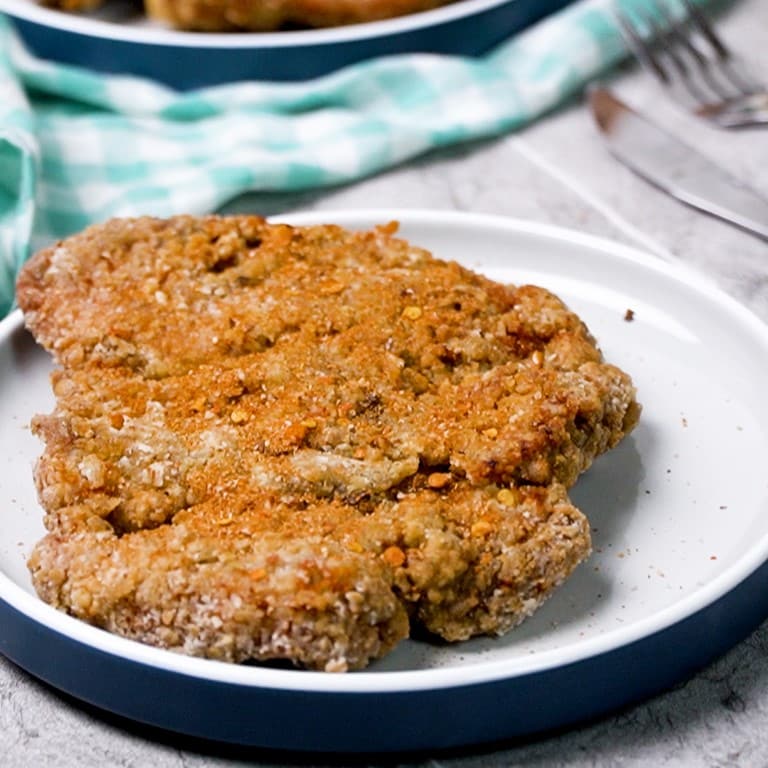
(685,54)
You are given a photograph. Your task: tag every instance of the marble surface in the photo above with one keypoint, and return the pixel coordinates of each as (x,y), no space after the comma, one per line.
(556,172)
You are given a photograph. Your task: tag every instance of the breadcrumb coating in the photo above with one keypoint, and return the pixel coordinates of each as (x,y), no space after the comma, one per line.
(276,442)
(263,15)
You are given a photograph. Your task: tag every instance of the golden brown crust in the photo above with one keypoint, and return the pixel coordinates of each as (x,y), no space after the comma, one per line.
(228,15)
(74,5)
(264,15)
(395,431)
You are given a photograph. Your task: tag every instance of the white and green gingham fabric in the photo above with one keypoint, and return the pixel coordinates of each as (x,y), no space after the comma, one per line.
(78,147)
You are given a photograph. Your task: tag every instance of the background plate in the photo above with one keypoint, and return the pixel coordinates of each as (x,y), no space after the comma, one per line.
(679,514)
(116,39)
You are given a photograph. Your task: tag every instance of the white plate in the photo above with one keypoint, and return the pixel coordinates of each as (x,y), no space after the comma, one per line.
(679,514)
(118,38)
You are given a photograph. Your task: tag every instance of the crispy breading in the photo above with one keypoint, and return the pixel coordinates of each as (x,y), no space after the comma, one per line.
(293,442)
(247,15)
(229,15)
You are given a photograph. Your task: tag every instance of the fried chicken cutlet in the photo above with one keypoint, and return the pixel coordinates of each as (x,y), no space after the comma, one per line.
(275,442)
(254,15)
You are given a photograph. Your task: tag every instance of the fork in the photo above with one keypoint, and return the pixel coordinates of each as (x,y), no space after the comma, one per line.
(686,56)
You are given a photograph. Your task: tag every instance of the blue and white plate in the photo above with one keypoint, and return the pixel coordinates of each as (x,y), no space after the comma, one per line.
(679,514)
(117,39)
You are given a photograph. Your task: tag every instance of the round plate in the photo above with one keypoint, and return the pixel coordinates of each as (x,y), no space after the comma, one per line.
(117,39)
(679,513)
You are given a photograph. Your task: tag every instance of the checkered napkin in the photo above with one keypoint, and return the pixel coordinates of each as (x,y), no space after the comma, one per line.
(78,147)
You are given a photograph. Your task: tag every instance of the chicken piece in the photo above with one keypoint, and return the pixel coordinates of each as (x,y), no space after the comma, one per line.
(293,442)
(263,16)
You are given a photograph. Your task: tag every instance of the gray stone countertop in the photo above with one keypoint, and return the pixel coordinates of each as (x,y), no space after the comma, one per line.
(556,172)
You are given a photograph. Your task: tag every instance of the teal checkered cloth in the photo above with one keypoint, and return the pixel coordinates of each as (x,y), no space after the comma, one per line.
(78,147)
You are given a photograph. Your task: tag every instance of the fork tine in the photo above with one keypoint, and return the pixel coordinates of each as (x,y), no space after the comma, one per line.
(673,41)
(745,83)
(639,47)
(666,36)
(680,38)
(706,29)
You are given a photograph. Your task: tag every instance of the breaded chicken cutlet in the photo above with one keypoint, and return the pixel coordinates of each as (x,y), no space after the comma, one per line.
(256,15)
(275,442)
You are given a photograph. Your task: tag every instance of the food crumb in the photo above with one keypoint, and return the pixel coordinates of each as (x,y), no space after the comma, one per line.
(412,313)
(629,315)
